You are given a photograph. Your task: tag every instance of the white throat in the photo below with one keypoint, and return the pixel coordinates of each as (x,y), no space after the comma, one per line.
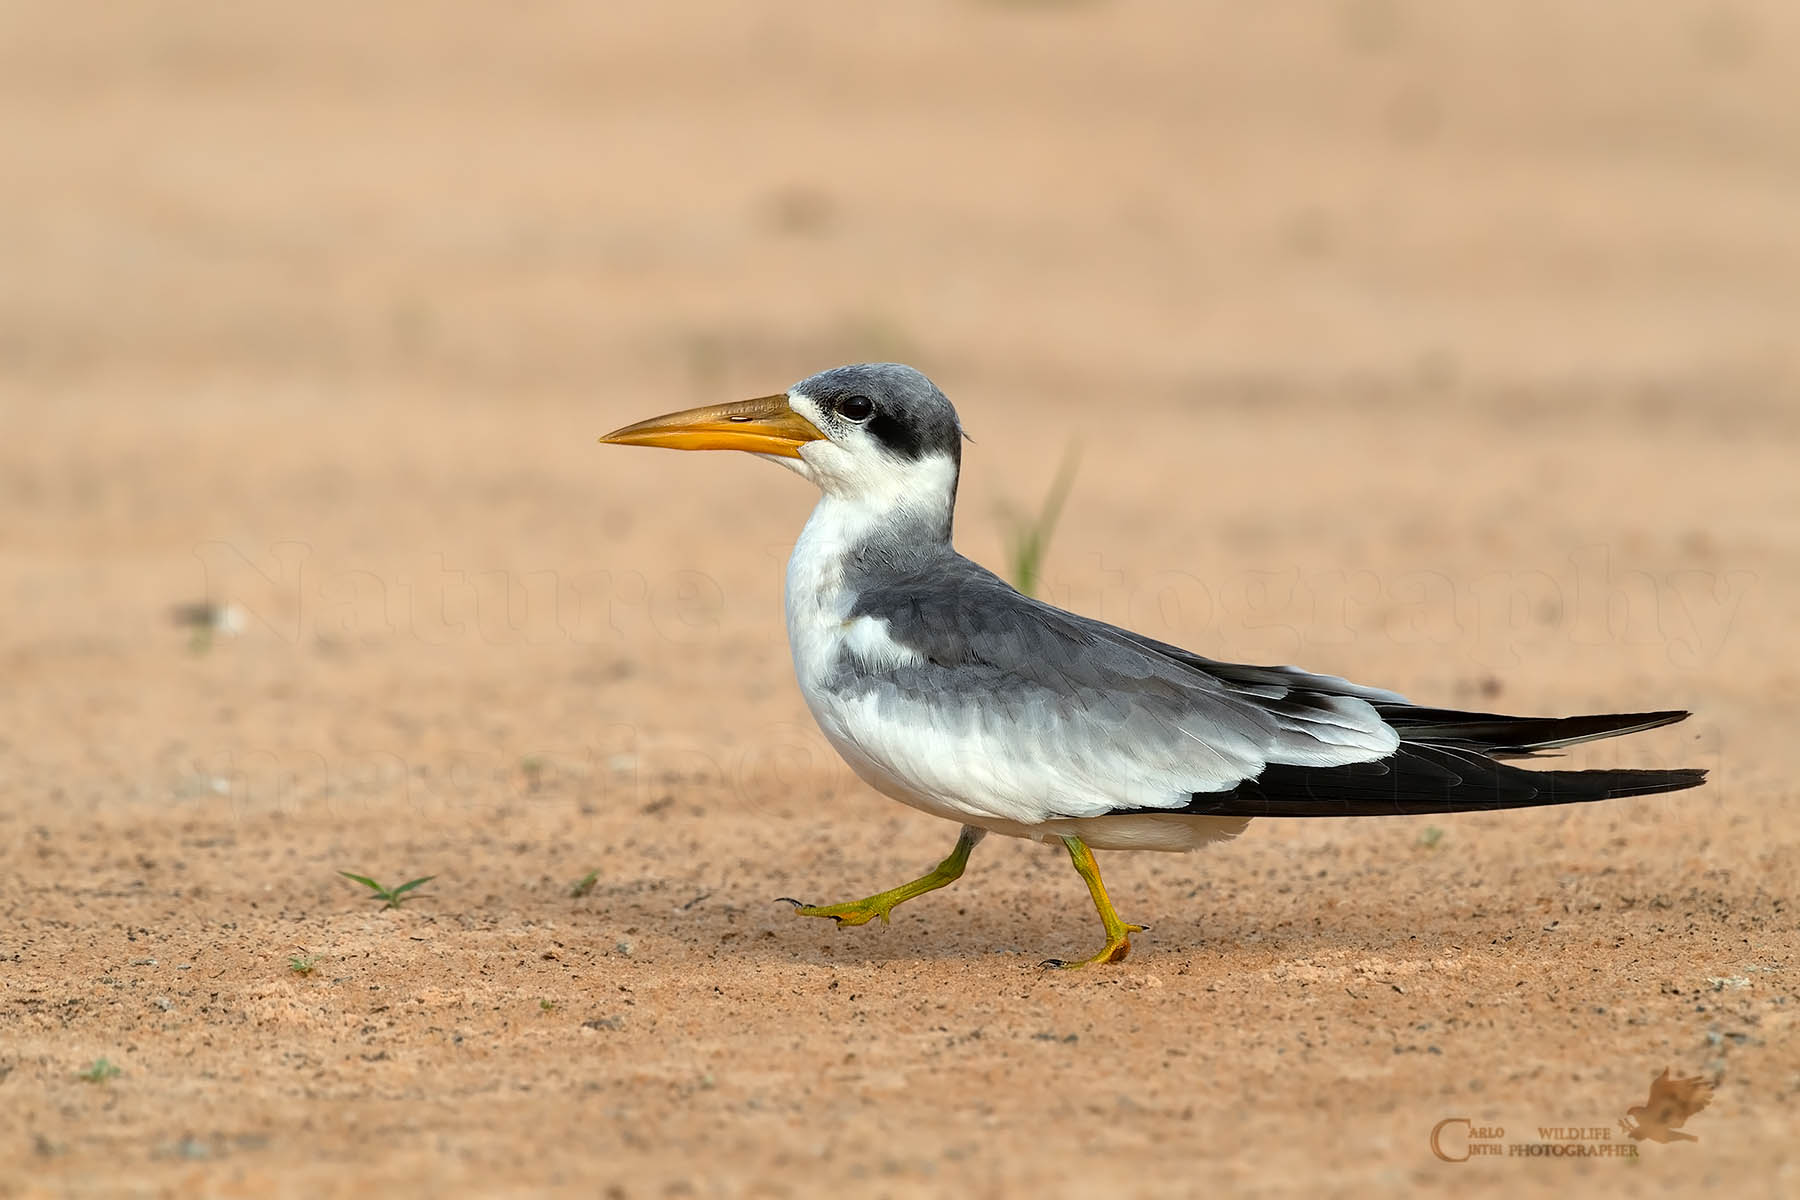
(858,507)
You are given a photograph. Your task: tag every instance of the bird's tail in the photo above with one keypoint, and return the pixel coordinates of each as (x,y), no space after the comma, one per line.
(1443,766)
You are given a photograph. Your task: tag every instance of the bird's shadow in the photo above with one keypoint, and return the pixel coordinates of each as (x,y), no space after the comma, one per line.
(764,931)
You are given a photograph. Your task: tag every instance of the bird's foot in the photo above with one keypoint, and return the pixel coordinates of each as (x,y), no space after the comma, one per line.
(881,904)
(851,912)
(1118,945)
(861,912)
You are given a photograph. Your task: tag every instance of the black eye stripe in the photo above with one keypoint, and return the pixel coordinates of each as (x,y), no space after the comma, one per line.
(903,437)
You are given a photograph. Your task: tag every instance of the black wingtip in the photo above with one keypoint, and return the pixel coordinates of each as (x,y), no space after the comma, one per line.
(1494,733)
(1642,783)
(1656,720)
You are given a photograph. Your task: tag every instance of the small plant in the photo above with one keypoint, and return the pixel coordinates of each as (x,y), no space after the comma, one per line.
(584,885)
(1028,541)
(389,897)
(205,619)
(1431,837)
(547,1005)
(99,1071)
(302,964)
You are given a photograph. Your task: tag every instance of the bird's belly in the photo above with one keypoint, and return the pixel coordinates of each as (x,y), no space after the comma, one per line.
(883,779)
(1133,831)
(965,777)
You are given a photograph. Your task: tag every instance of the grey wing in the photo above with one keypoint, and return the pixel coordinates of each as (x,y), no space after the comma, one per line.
(1272,682)
(986,697)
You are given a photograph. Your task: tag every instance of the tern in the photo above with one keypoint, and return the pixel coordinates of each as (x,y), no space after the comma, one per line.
(947,689)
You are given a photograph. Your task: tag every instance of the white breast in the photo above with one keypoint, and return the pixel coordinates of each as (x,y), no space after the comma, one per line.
(818,605)
(821,630)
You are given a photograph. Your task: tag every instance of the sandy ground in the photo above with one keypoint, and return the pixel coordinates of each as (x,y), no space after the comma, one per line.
(1448,347)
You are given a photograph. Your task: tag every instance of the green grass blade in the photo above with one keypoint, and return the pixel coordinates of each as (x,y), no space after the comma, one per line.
(410,885)
(1031,540)
(366,882)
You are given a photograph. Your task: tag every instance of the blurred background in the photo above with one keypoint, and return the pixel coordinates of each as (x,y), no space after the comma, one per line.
(367,283)
(1448,346)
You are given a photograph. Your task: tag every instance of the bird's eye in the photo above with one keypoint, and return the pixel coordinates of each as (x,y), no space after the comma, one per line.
(856,408)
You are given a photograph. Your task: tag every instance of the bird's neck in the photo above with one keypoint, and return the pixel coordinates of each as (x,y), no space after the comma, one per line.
(893,516)
(848,537)
(845,547)
(854,533)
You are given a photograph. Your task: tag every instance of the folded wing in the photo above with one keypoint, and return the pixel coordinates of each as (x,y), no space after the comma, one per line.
(1000,705)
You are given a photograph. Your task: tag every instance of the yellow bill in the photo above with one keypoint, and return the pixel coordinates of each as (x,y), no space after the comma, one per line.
(765,425)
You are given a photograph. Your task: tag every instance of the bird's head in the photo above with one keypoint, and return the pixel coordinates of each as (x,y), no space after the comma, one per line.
(877,435)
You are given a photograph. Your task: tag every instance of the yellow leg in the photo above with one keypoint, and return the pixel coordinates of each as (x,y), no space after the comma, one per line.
(860,912)
(1118,933)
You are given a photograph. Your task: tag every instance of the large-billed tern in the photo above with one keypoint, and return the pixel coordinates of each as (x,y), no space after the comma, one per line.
(950,691)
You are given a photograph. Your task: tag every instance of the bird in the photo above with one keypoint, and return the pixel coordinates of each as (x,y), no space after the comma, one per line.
(1671,1103)
(945,688)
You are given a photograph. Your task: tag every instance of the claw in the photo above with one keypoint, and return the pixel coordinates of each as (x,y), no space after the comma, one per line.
(814,910)
(1112,952)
